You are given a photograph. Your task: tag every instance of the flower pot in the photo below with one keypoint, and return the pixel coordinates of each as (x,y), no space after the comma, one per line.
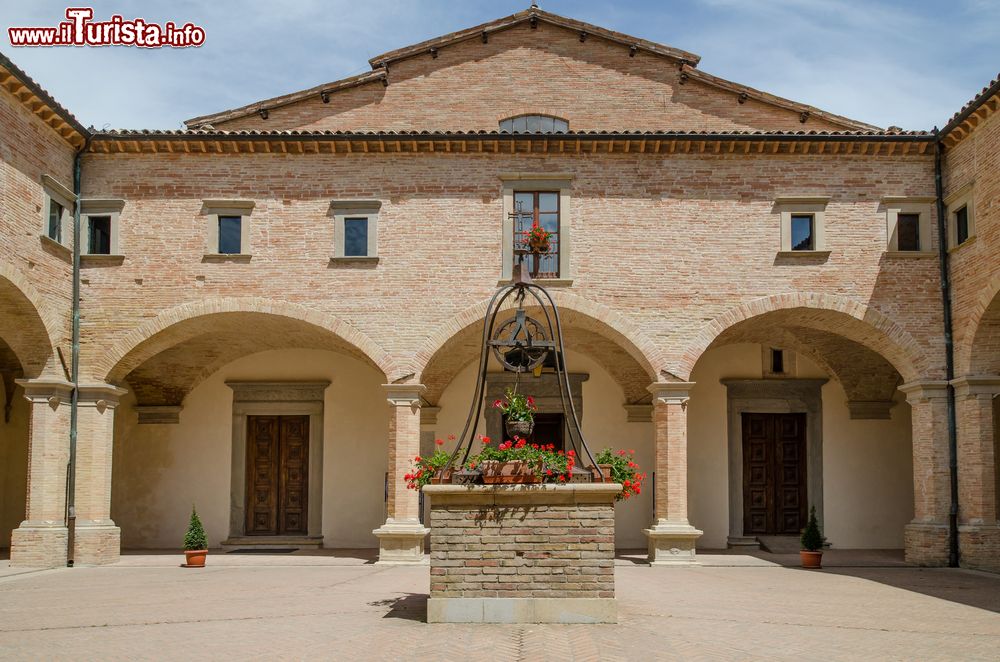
(195,558)
(539,247)
(811,559)
(606,468)
(520,429)
(508,473)
(440,477)
(466,477)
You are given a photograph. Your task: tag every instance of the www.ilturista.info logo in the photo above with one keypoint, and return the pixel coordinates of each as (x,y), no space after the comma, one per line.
(80,30)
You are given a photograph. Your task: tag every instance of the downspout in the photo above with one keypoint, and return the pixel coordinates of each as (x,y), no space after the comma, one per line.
(949,348)
(75,362)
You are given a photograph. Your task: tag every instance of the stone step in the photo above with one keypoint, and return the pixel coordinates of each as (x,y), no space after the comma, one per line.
(272,542)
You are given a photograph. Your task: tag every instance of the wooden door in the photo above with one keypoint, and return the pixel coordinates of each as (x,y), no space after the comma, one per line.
(774,474)
(277,470)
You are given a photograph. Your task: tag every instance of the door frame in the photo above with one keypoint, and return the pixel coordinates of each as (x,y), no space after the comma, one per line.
(774,396)
(276,399)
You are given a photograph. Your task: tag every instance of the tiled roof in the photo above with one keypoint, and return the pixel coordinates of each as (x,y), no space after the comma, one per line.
(43,95)
(501,135)
(987,93)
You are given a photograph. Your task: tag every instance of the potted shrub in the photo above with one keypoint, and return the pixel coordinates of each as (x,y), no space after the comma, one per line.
(519,410)
(195,542)
(621,468)
(812,543)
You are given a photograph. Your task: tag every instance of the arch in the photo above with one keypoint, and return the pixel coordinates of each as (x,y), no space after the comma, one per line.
(977,353)
(154,336)
(851,319)
(27,331)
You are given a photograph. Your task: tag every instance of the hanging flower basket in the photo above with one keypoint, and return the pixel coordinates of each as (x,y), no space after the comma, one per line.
(496,472)
(539,239)
(520,429)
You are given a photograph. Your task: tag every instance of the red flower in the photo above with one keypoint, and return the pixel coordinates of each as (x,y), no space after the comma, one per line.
(632,452)
(497,404)
(416,459)
(571,452)
(621,453)
(485,440)
(439,442)
(451,437)
(562,479)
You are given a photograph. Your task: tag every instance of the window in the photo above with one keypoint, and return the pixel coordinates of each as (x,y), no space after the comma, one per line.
(908,225)
(57,211)
(228,236)
(534,124)
(99,235)
(962,225)
(908,232)
(777,361)
(538,208)
(355,232)
(230,229)
(803,232)
(802,225)
(355,237)
(545,198)
(54,230)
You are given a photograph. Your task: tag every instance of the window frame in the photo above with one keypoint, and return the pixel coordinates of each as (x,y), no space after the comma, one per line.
(919,205)
(54,191)
(213,209)
(562,183)
(344,210)
(526,116)
(101,207)
(964,197)
(789,206)
(535,213)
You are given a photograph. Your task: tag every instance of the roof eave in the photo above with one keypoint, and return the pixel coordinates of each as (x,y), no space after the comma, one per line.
(77,135)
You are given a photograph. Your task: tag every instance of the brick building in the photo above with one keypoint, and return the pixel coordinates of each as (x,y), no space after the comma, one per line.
(279,305)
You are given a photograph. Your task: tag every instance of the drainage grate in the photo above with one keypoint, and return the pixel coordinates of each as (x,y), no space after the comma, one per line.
(259,550)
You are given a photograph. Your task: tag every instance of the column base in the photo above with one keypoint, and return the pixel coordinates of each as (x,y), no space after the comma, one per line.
(401,543)
(926,544)
(39,545)
(672,543)
(979,546)
(97,543)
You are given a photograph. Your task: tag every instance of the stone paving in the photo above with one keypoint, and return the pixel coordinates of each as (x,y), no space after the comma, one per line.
(340,606)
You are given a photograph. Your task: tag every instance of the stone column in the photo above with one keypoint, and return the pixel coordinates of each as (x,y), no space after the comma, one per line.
(926,537)
(671,538)
(978,530)
(401,538)
(40,540)
(98,540)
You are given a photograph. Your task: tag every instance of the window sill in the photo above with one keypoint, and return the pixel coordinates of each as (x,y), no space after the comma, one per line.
(354,259)
(913,255)
(54,247)
(101,260)
(226,257)
(547,282)
(968,241)
(804,254)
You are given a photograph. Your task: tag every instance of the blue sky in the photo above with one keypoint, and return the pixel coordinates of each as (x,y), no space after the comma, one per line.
(910,64)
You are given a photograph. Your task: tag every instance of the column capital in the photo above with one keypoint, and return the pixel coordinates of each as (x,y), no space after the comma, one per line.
(976,385)
(924,390)
(102,396)
(53,391)
(671,393)
(403,395)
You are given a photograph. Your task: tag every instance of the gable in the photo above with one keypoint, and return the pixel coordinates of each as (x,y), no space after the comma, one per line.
(596,84)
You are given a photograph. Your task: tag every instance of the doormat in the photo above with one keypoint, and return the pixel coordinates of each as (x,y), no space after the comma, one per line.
(257,550)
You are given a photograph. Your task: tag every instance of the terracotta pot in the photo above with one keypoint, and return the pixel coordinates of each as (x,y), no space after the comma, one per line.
(811,559)
(508,473)
(606,468)
(195,558)
(442,477)
(539,247)
(520,429)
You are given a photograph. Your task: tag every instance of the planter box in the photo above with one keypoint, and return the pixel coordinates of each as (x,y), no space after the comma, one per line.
(507,473)
(522,553)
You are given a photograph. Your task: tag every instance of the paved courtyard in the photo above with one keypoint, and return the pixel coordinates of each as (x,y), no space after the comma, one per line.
(343,606)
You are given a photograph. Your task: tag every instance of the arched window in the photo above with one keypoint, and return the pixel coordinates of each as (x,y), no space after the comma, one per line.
(534,124)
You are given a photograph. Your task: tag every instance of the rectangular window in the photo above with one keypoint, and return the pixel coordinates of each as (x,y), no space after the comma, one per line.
(961,225)
(230,228)
(355,237)
(777,361)
(538,208)
(99,239)
(908,232)
(803,232)
(54,229)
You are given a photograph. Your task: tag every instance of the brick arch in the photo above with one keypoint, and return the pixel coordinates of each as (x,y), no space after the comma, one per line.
(25,329)
(979,353)
(166,330)
(851,319)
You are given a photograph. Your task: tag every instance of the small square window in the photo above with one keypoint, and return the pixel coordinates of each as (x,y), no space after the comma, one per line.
(803,232)
(230,228)
(99,235)
(54,228)
(908,232)
(962,225)
(355,237)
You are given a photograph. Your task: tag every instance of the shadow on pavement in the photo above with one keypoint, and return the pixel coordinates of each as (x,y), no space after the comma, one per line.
(410,607)
(974,589)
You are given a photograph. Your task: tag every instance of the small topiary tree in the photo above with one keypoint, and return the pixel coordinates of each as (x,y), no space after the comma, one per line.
(195,538)
(812,539)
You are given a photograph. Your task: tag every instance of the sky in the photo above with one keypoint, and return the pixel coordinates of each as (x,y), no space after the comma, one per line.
(911,64)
